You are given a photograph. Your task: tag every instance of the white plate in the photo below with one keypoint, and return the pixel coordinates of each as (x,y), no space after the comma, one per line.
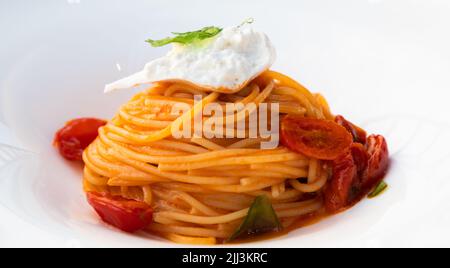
(384,64)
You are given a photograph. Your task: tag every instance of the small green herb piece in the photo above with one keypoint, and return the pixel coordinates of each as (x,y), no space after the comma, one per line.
(381,187)
(187,37)
(261,218)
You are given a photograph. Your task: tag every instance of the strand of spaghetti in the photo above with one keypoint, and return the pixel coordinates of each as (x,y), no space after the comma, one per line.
(196,204)
(180,239)
(250,97)
(241,199)
(185,187)
(257,180)
(289,109)
(241,115)
(143,122)
(184,88)
(189,231)
(289,82)
(183,95)
(293,194)
(242,160)
(133,193)
(225,168)
(295,163)
(275,190)
(94,178)
(170,222)
(226,204)
(118,181)
(282,187)
(156,100)
(280,98)
(312,171)
(261,184)
(324,104)
(189,115)
(89,187)
(146,150)
(207,220)
(139,138)
(246,143)
(167,202)
(207,144)
(310,187)
(311,111)
(290,172)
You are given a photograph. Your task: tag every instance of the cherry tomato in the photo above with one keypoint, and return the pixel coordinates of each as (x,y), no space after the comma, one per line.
(339,189)
(127,215)
(359,134)
(315,138)
(355,173)
(378,162)
(360,157)
(76,135)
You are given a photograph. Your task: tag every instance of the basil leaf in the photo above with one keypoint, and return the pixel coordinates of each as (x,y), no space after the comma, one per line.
(261,218)
(381,187)
(187,37)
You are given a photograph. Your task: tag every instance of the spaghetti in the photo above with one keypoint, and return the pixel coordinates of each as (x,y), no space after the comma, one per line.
(200,189)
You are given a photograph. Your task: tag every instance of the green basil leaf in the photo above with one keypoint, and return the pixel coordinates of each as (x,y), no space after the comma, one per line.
(187,37)
(379,189)
(261,218)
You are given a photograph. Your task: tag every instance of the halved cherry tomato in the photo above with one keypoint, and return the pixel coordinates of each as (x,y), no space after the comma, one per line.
(359,134)
(316,138)
(76,135)
(127,215)
(378,163)
(337,192)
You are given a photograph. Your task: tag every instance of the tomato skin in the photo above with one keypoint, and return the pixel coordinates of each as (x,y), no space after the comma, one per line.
(337,192)
(345,186)
(315,138)
(378,163)
(124,214)
(355,173)
(359,134)
(76,135)
(360,157)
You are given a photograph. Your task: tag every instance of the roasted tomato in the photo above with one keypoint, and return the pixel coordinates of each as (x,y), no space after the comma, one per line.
(360,157)
(76,135)
(127,215)
(378,162)
(338,192)
(315,138)
(359,134)
(356,173)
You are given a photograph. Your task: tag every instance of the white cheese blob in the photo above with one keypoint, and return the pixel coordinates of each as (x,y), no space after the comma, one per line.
(224,63)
